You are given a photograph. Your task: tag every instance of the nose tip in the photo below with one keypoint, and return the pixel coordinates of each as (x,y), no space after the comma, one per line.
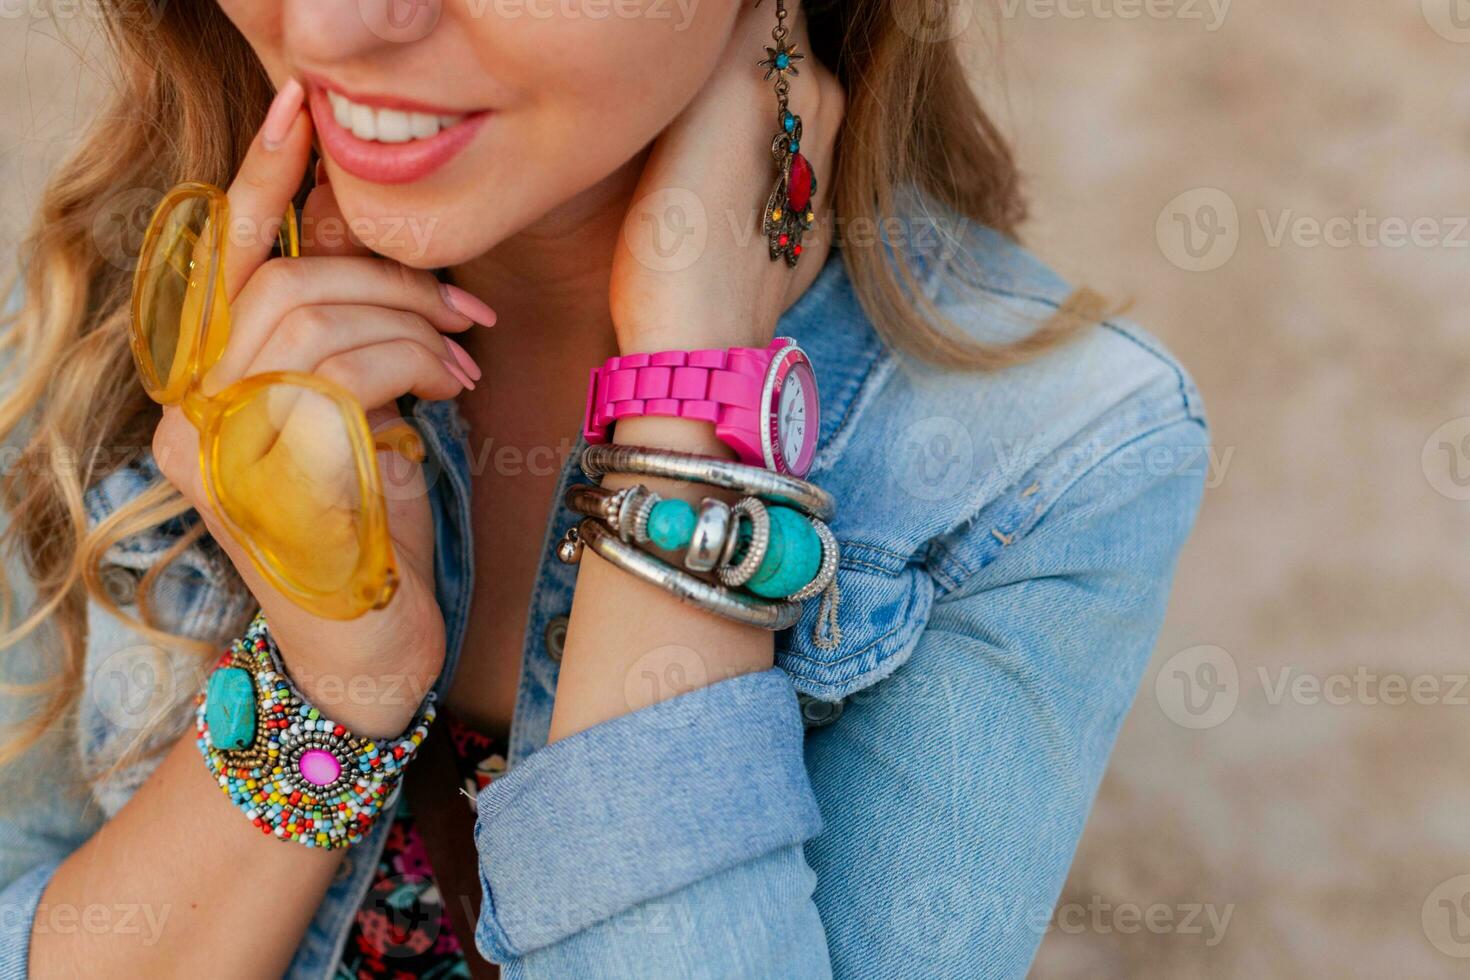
(326,31)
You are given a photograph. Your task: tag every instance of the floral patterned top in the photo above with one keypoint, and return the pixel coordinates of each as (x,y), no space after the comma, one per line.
(402,930)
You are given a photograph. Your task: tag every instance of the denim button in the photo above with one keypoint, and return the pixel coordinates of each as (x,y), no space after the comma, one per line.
(120,584)
(816,713)
(556,638)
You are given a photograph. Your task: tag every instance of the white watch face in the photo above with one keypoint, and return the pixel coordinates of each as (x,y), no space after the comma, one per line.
(791,425)
(790,420)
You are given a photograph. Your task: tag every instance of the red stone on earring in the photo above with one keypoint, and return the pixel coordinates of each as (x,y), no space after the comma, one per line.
(799,193)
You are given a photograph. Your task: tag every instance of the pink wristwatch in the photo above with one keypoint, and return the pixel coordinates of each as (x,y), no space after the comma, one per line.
(761,401)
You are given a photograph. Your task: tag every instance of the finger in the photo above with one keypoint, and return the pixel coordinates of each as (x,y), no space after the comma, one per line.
(176,452)
(265,185)
(283,285)
(309,335)
(379,374)
(324,229)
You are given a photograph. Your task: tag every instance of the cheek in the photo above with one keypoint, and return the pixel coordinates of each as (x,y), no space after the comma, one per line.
(624,79)
(598,91)
(585,92)
(259,22)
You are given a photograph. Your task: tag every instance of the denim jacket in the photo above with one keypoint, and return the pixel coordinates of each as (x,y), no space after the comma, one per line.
(906,803)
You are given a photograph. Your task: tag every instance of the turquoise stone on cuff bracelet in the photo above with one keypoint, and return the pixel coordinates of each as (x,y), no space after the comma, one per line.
(671,524)
(792,558)
(230,712)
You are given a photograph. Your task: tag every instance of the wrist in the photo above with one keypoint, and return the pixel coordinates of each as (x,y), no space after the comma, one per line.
(374,699)
(712,323)
(678,435)
(298,772)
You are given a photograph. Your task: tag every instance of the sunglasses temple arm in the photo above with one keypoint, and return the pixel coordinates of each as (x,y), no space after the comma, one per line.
(400,438)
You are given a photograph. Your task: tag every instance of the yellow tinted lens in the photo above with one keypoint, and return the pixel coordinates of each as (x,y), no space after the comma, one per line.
(176,290)
(288,467)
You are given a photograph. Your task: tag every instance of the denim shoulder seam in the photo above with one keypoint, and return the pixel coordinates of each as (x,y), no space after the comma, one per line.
(1123,330)
(951,572)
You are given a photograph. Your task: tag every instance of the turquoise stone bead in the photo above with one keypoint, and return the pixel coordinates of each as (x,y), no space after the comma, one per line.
(788,122)
(671,524)
(783,60)
(793,555)
(230,708)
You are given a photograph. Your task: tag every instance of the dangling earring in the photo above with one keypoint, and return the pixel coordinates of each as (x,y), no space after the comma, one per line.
(788,213)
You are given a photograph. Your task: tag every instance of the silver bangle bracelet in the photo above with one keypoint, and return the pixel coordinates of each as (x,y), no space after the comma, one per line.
(827,571)
(750,610)
(598,461)
(711,531)
(760,526)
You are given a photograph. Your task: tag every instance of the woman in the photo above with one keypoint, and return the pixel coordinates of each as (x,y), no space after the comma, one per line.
(1013,483)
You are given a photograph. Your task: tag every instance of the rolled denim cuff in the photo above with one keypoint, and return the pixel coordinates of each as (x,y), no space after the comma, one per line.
(639,807)
(18,904)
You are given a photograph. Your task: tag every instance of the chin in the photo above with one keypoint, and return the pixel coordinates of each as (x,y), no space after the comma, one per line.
(429,239)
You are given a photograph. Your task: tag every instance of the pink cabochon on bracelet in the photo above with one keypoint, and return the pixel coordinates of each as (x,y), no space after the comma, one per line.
(721,387)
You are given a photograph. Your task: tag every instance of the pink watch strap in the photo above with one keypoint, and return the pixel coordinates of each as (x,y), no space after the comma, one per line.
(722,387)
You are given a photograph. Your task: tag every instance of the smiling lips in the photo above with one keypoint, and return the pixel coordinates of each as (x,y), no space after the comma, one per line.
(388,141)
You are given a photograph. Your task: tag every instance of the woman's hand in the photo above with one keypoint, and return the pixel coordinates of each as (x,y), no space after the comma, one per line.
(379,330)
(709,174)
(692,268)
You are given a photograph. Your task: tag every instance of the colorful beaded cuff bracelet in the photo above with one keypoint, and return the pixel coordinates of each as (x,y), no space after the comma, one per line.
(297,775)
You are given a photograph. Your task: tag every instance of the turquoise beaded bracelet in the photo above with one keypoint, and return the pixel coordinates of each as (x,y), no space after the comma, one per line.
(766,549)
(769,550)
(297,775)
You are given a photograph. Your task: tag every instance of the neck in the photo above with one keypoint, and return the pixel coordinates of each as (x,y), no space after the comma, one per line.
(549,286)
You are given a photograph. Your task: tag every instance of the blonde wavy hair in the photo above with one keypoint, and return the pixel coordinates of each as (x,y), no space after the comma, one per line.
(191,92)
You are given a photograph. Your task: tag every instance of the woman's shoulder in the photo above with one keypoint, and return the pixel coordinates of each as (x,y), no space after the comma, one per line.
(968,434)
(944,474)
(1087,396)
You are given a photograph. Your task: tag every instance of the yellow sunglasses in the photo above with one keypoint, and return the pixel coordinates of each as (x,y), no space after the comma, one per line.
(288,459)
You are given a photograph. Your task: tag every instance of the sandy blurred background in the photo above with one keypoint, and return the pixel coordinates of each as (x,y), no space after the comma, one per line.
(1283,192)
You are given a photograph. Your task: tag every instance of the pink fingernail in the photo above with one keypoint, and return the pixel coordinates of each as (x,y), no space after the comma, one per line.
(458,375)
(282,114)
(464,304)
(463,357)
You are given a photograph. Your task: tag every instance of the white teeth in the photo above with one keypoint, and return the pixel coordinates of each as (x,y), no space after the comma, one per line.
(393,126)
(340,110)
(387,125)
(364,122)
